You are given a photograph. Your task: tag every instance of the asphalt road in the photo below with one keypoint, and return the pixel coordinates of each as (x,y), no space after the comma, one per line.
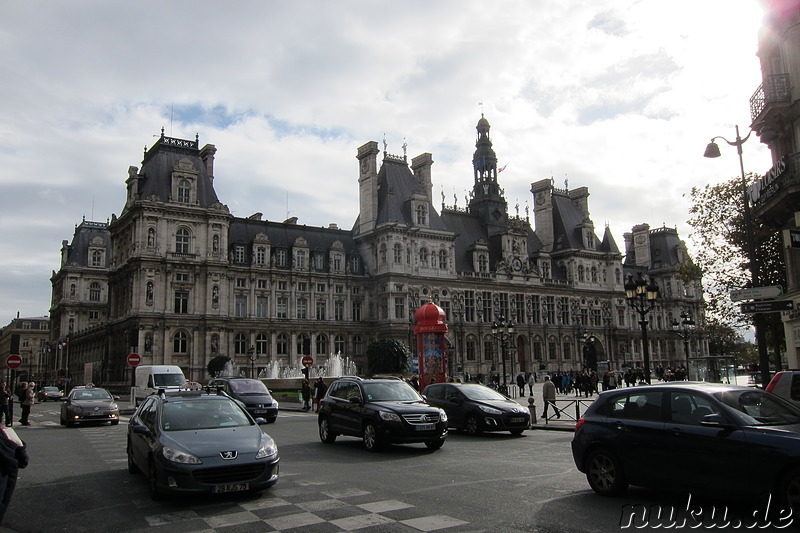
(78,481)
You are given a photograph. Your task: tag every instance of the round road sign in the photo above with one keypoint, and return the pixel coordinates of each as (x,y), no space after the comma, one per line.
(307,360)
(14,360)
(134,359)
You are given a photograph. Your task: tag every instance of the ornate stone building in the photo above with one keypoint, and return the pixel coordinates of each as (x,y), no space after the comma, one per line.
(179,279)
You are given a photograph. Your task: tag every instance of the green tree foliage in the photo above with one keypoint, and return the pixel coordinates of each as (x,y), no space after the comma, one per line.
(217,365)
(387,356)
(720,236)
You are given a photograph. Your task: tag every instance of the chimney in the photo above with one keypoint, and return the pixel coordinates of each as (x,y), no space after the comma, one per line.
(207,154)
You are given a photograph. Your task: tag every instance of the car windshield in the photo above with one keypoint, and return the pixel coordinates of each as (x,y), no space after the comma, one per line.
(480,392)
(50,389)
(169,380)
(759,408)
(395,391)
(248,386)
(179,415)
(95,394)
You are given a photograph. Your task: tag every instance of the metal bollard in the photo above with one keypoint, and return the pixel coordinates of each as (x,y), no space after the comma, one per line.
(532,409)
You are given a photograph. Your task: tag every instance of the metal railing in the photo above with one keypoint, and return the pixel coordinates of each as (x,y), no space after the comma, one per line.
(775,89)
(571,410)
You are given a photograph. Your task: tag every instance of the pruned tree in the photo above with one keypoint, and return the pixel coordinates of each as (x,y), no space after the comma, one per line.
(387,356)
(217,365)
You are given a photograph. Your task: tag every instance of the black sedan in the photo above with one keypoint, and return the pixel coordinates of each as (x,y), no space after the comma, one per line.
(691,436)
(89,404)
(49,393)
(199,442)
(476,408)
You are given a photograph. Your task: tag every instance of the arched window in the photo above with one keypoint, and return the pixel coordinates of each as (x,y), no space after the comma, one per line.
(94,291)
(443,259)
(398,254)
(338,344)
(303,344)
(262,344)
(184,191)
(97,258)
(618,276)
(240,344)
(180,342)
(423,257)
(282,344)
(358,345)
(581,273)
(483,264)
(322,344)
(593,274)
(182,241)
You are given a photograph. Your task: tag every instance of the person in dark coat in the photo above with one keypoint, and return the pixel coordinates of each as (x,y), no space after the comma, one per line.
(5,404)
(319,392)
(306,393)
(13,456)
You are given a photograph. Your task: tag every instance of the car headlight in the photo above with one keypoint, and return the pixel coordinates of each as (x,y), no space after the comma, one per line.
(490,410)
(180,456)
(442,415)
(114,407)
(274,404)
(386,415)
(268,449)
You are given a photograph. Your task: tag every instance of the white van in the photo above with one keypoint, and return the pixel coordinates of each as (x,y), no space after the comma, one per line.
(151,378)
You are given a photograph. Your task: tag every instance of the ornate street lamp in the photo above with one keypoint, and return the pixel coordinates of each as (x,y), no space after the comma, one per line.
(642,296)
(684,329)
(251,353)
(712,150)
(503,332)
(589,351)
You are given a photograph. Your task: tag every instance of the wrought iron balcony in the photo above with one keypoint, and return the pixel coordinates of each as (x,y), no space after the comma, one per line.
(774,90)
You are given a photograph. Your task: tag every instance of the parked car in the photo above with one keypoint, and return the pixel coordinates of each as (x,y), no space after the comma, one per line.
(380,411)
(786,384)
(49,393)
(199,442)
(253,394)
(89,404)
(476,408)
(691,436)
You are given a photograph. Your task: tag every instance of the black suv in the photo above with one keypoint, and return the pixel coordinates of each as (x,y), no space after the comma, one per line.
(253,394)
(380,411)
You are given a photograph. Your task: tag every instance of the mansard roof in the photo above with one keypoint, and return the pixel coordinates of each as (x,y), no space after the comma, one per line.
(86,234)
(161,160)
(568,221)
(665,249)
(396,185)
(284,234)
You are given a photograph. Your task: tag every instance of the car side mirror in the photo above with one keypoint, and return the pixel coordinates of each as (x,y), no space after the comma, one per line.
(714,420)
(140,429)
(355,399)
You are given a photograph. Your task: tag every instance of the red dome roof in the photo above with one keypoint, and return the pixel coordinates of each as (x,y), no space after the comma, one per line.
(429,313)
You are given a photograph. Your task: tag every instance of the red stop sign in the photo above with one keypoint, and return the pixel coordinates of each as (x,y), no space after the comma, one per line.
(307,360)
(14,360)
(134,359)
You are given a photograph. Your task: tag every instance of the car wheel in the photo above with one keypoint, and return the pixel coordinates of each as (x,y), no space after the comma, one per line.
(472,425)
(789,495)
(152,480)
(517,431)
(604,473)
(325,434)
(371,440)
(434,444)
(132,468)
(271,420)
(69,423)
(63,420)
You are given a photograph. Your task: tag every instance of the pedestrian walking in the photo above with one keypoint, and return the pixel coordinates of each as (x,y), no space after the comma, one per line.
(521,384)
(319,392)
(306,393)
(5,404)
(531,382)
(27,401)
(549,394)
(13,456)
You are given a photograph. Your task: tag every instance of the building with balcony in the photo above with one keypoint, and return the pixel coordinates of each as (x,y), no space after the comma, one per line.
(177,278)
(775,115)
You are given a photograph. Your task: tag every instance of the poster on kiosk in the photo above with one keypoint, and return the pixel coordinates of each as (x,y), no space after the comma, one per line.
(430,330)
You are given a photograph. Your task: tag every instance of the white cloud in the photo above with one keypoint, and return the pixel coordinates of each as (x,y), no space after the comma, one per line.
(618,96)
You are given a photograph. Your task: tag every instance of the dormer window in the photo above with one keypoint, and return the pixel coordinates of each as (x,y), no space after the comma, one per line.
(422,215)
(97,258)
(184,191)
(238,253)
(483,263)
(280,258)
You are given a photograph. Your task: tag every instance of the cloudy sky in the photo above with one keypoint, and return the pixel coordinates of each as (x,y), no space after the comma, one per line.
(620,96)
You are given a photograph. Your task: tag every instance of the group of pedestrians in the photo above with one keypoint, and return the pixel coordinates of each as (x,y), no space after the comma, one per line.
(26,395)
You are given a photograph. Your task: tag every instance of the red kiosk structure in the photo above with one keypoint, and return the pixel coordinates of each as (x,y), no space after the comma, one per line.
(430,329)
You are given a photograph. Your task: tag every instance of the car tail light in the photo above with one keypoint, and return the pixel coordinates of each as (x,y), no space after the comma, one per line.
(579,424)
(774,381)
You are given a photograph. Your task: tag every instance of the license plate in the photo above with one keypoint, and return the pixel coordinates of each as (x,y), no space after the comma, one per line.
(426,427)
(260,411)
(518,420)
(231,487)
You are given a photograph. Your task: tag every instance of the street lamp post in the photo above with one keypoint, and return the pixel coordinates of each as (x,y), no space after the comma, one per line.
(588,351)
(712,150)
(684,329)
(251,353)
(503,332)
(642,296)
